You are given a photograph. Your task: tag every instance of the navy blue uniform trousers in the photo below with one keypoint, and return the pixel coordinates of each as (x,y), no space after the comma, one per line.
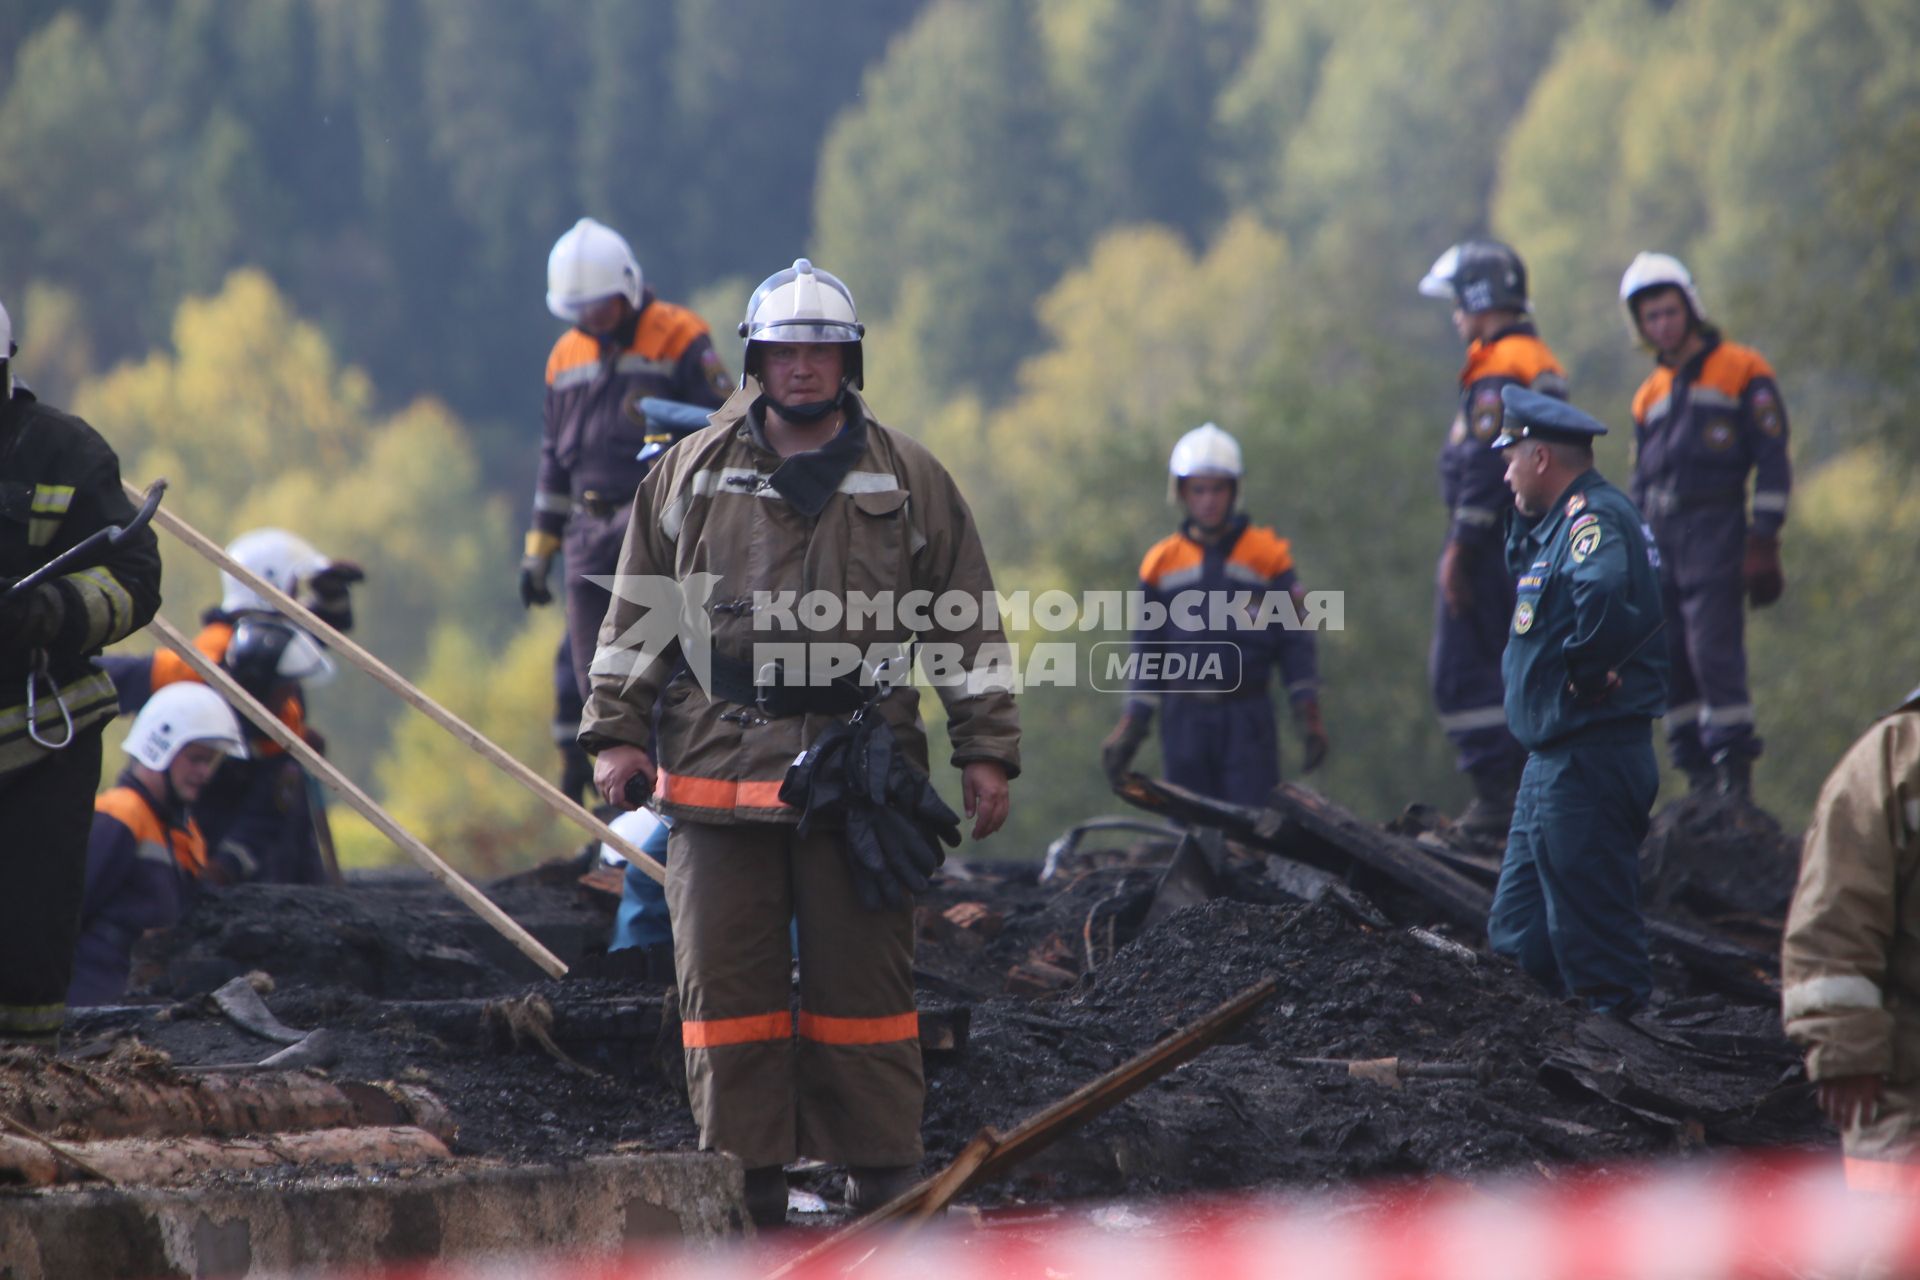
(1568,903)
(1228,749)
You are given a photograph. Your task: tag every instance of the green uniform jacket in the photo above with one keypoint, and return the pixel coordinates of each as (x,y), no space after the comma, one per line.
(59,482)
(1587,601)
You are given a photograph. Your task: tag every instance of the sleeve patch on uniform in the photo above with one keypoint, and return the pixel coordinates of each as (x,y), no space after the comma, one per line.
(1523,617)
(1584,537)
(1576,504)
(1766,412)
(1487,411)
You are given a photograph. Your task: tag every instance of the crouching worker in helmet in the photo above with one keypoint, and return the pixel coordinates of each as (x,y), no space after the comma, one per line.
(1209,681)
(263,817)
(795,490)
(145,856)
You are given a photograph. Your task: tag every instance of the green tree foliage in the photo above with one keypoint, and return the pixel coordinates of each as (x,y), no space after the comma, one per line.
(255,423)
(951,173)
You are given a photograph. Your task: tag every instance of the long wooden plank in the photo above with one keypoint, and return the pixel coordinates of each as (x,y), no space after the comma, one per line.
(990,1154)
(324,769)
(548,794)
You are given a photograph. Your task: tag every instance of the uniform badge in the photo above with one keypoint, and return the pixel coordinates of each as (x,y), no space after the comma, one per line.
(1523,617)
(717,376)
(1583,538)
(1486,414)
(1718,434)
(1576,504)
(1766,412)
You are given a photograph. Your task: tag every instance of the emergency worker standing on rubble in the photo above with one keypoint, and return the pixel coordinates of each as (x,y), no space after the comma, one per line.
(625,345)
(1850,959)
(263,816)
(1487,284)
(146,856)
(1585,678)
(1217,731)
(59,482)
(1708,414)
(795,488)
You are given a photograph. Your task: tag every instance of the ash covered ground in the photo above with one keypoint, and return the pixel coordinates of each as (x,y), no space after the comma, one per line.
(1051,987)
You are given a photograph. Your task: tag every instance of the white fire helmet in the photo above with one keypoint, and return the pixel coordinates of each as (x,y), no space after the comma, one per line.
(1656,271)
(590,262)
(179,715)
(803,304)
(285,560)
(644,829)
(1204,451)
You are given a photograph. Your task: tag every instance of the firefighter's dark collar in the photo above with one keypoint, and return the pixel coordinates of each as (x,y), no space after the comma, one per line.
(807,480)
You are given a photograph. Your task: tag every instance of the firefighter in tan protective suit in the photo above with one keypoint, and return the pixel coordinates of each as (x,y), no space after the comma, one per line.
(1850,965)
(755,531)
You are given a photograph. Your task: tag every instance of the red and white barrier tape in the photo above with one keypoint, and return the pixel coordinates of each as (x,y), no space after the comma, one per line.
(1756,1219)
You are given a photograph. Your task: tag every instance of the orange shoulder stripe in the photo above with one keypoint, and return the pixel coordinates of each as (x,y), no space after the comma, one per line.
(1173,552)
(1520,356)
(1263,551)
(573,349)
(1732,367)
(1652,391)
(129,808)
(170,668)
(666,331)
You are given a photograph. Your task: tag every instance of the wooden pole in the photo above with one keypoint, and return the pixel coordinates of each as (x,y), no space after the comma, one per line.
(548,793)
(324,769)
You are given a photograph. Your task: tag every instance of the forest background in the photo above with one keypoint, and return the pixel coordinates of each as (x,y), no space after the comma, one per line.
(290,254)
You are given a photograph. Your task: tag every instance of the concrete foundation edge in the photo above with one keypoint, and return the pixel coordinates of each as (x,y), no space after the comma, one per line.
(595,1207)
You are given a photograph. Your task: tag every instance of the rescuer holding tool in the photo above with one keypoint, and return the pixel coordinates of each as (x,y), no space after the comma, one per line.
(1217,731)
(1585,678)
(799,794)
(59,485)
(624,347)
(1487,284)
(146,856)
(1709,414)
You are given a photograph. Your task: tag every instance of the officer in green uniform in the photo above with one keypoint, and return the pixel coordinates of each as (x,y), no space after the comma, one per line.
(1585,680)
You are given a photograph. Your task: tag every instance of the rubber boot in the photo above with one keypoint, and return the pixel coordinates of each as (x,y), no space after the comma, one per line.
(1491,813)
(870,1186)
(1734,775)
(767,1196)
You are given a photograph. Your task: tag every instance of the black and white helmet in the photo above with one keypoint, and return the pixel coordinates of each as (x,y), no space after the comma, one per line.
(1479,275)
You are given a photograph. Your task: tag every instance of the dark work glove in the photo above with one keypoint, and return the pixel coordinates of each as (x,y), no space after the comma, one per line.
(1120,746)
(1760,569)
(31,619)
(328,593)
(1313,735)
(534,572)
(1593,690)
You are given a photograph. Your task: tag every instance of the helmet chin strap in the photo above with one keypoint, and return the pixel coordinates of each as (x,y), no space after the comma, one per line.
(807,411)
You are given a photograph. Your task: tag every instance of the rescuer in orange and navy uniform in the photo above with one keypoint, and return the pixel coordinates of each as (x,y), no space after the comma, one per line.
(625,345)
(262,815)
(1217,729)
(1709,414)
(1487,284)
(145,855)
